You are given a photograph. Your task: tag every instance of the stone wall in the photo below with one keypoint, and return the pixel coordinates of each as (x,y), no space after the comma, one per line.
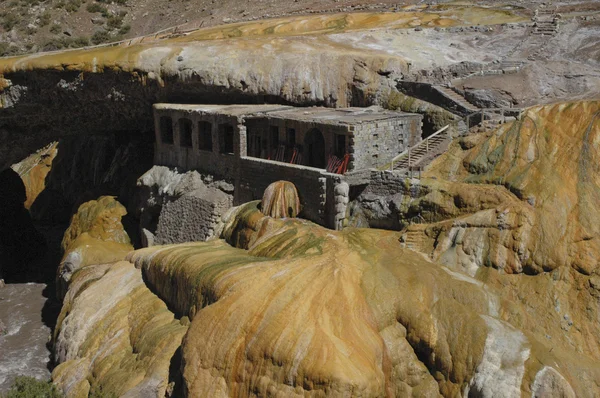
(376,144)
(188,158)
(324,196)
(262,127)
(176,208)
(314,185)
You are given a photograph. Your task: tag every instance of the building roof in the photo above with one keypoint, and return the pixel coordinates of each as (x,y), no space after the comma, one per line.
(346,116)
(228,110)
(322,115)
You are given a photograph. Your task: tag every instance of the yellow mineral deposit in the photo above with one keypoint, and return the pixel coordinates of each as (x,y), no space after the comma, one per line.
(302,310)
(281,200)
(258,34)
(95,236)
(34,169)
(521,198)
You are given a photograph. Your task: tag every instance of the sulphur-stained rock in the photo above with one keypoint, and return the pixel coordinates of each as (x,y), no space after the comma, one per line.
(522,198)
(281,200)
(114,336)
(305,311)
(34,169)
(95,236)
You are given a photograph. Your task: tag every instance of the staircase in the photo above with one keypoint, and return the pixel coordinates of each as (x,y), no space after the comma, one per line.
(457,99)
(414,238)
(545,23)
(424,152)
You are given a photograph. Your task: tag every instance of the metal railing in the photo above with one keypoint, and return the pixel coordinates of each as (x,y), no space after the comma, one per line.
(409,150)
(482,113)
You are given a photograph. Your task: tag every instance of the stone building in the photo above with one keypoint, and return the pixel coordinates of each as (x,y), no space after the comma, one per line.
(255,145)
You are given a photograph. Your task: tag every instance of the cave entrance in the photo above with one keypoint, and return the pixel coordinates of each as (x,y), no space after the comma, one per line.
(314,143)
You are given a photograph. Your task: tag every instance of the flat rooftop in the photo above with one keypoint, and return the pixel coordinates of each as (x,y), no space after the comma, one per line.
(322,115)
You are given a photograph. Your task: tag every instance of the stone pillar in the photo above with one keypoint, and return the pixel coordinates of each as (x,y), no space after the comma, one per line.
(342,197)
(240,141)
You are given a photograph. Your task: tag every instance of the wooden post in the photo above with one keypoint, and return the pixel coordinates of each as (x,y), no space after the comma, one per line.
(409,158)
(426,144)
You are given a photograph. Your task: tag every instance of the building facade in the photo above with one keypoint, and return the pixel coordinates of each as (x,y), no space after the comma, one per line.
(255,145)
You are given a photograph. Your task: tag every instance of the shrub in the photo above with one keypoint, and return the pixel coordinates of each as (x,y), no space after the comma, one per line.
(59,5)
(114,22)
(95,7)
(53,44)
(72,5)
(393,100)
(55,28)
(79,42)
(45,18)
(124,29)
(10,20)
(30,387)
(100,36)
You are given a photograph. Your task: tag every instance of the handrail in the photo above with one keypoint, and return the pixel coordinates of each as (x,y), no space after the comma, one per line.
(426,141)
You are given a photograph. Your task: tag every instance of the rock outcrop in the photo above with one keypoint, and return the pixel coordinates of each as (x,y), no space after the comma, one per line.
(310,311)
(280,200)
(176,207)
(522,198)
(95,236)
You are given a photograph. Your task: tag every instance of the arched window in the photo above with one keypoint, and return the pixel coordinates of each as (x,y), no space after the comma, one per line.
(166,130)
(205,136)
(185,132)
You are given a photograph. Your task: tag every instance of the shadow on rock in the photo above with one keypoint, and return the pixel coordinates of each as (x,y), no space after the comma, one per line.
(21,244)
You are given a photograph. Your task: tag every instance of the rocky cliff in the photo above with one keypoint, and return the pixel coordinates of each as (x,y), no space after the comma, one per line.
(335,59)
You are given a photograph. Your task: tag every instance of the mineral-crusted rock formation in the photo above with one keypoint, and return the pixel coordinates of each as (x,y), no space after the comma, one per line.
(280,200)
(179,207)
(309,311)
(114,335)
(33,171)
(523,198)
(95,236)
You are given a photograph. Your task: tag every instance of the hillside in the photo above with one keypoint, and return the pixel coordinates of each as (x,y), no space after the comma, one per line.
(32,25)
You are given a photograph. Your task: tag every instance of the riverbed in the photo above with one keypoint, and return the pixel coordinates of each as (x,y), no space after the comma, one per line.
(23,333)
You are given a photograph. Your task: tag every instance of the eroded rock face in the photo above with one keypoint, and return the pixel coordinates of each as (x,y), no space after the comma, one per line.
(308,311)
(34,169)
(537,208)
(95,236)
(114,335)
